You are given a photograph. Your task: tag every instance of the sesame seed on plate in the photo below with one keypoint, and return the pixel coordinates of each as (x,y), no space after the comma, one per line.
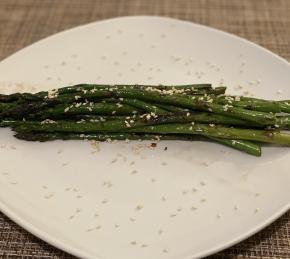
(202,183)
(194,189)
(134,172)
(139,207)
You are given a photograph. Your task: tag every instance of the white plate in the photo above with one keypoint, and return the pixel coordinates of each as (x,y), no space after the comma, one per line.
(189,201)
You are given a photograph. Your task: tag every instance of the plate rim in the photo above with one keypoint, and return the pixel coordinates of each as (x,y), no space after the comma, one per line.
(62,245)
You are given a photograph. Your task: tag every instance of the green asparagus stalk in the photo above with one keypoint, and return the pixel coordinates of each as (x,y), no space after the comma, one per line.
(138,127)
(119,123)
(250,104)
(285,106)
(241,145)
(267,136)
(201,117)
(199,104)
(90,88)
(140,105)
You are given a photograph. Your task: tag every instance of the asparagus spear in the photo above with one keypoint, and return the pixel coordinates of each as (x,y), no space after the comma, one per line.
(241,145)
(144,106)
(7,123)
(138,127)
(121,123)
(251,104)
(85,88)
(199,104)
(285,106)
(267,136)
(202,117)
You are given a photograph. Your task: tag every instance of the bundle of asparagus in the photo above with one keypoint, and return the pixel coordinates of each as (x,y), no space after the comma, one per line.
(125,112)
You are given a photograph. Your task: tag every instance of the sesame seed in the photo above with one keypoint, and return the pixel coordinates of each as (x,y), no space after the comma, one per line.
(172,215)
(193,208)
(114,160)
(164,251)
(204,164)
(49,196)
(164,163)
(144,245)
(257,210)
(139,207)
(218,216)
(134,172)
(133,243)
(194,189)
(203,200)
(132,219)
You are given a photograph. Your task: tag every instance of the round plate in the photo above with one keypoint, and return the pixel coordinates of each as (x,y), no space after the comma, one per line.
(130,200)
